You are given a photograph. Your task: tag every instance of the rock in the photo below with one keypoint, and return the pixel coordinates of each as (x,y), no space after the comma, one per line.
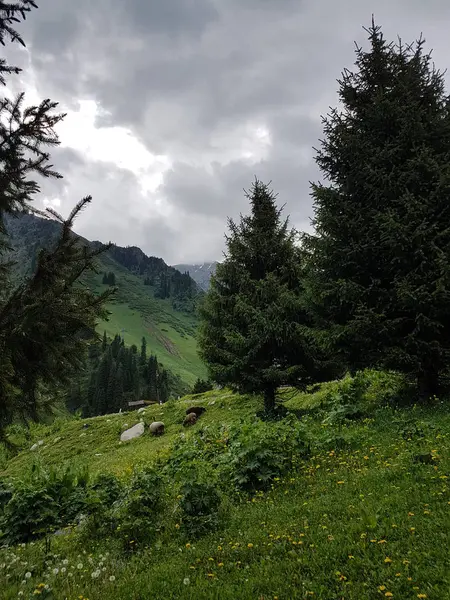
(133,432)
(65,531)
(197,410)
(157,428)
(190,419)
(141,410)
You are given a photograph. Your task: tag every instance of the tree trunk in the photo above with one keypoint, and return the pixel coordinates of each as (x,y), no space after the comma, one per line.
(427,384)
(269,400)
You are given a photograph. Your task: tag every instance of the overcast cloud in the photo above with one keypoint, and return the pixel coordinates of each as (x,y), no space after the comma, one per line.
(175,105)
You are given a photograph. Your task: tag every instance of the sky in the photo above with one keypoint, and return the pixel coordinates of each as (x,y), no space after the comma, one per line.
(174,106)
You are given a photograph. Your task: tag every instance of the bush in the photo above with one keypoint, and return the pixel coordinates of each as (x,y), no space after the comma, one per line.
(108,488)
(138,513)
(199,507)
(46,501)
(261,451)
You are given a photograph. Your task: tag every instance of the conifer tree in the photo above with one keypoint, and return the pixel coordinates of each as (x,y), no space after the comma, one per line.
(45,322)
(380,269)
(254,333)
(143,358)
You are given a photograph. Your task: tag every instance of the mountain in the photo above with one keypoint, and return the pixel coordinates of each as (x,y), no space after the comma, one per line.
(200,273)
(153,300)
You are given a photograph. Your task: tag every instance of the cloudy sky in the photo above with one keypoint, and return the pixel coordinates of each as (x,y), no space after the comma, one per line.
(175,105)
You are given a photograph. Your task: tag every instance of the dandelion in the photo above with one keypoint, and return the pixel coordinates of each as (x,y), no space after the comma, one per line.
(63,569)
(79,566)
(65,562)
(186,581)
(112,578)
(382,588)
(421,595)
(340,482)
(95,574)
(389,594)
(27,575)
(387,560)
(55,571)
(249,545)
(188,546)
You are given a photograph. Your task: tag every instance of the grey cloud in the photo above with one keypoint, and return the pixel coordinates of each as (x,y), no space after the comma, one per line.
(186,76)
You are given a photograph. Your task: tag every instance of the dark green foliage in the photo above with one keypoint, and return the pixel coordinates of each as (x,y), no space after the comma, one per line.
(166,281)
(115,375)
(109,279)
(45,321)
(201,386)
(255,334)
(380,274)
(43,503)
(108,488)
(138,513)
(199,508)
(263,451)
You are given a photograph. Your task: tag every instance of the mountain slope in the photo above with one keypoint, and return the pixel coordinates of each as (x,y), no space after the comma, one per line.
(153,300)
(200,273)
(363,515)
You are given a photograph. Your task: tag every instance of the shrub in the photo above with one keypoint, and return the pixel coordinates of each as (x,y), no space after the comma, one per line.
(46,501)
(108,488)
(138,513)
(259,452)
(199,506)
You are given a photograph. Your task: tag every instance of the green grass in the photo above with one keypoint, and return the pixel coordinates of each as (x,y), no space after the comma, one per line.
(359,519)
(135,314)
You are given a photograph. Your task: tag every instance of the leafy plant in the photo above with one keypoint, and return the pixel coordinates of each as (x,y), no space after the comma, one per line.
(45,501)
(199,506)
(138,513)
(261,451)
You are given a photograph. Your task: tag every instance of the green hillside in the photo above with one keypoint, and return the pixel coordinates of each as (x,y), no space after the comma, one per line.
(356,503)
(168,324)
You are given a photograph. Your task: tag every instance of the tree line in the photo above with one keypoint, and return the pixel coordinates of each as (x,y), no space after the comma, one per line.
(370,287)
(115,375)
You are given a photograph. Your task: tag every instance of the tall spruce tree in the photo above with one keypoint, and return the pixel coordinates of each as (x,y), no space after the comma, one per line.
(45,322)
(254,333)
(380,268)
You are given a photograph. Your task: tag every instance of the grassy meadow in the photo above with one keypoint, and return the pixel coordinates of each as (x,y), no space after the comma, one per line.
(365,514)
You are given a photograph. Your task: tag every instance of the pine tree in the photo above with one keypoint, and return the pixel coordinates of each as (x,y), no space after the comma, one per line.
(380,272)
(47,321)
(201,386)
(143,358)
(163,385)
(254,336)
(104,342)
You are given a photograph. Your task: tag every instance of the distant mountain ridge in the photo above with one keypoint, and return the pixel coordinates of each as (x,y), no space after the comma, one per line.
(200,273)
(153,299)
